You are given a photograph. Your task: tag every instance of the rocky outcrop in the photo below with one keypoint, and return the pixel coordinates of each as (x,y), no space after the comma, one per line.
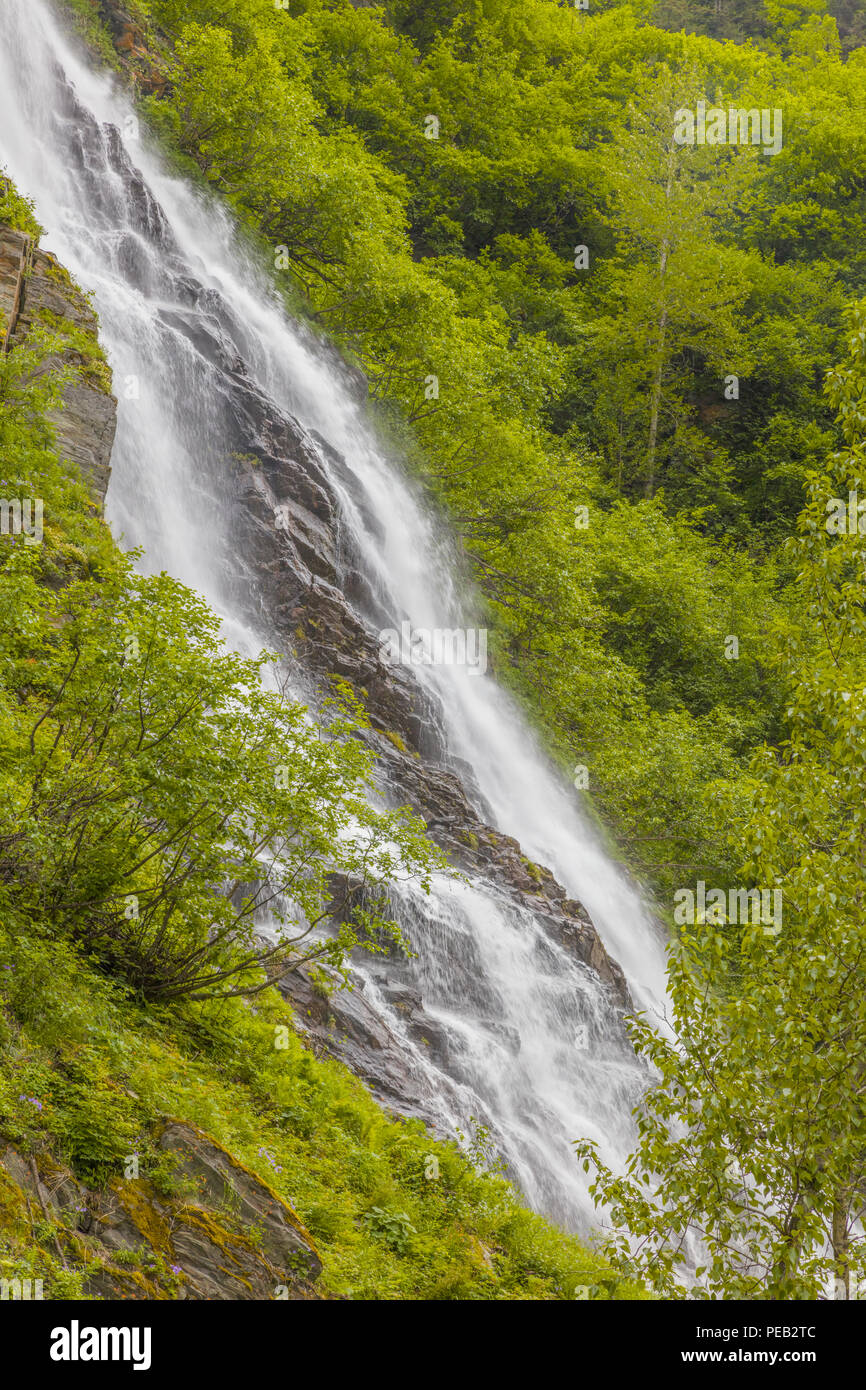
(328,614)
(15,251)
(324,607)
(227,1236)
(36,293)
(346,1024)
(136,51)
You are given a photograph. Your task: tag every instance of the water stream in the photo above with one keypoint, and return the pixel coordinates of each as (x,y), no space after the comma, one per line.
(535,1048)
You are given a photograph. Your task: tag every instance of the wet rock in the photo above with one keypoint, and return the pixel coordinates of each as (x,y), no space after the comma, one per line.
(229,1237)
(346,1025)
(45,298)
(422,1028)
(505,1033)
(127,35)
(139,60)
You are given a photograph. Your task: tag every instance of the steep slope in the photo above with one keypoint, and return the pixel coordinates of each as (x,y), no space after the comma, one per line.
(36,293)
(244,466)
(149,1153)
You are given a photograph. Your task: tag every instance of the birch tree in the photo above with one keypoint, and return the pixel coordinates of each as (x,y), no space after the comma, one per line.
(674,285)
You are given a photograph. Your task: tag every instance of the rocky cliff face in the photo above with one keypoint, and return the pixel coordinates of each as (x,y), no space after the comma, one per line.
(297,576)
(296,568)
(35,292)
(326,611)
(225,1235)
(14,252)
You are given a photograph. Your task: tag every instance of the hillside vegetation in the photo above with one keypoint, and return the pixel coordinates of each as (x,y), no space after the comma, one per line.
(630,373)
(554,307)
(137,771)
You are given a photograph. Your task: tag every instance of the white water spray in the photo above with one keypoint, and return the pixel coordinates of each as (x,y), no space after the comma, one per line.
(534,1047)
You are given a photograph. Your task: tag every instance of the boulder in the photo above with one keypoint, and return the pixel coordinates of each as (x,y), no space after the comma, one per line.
(228,1236)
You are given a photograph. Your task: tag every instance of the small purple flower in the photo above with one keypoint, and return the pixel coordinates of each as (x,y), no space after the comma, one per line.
(175,1269)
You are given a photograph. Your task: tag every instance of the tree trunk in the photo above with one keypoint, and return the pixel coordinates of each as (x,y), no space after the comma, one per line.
(840,1247)
(661,334)
(657,389)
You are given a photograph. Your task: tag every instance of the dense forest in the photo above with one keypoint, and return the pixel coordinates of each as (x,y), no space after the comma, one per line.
(740,20)
(628,370)
(563,386)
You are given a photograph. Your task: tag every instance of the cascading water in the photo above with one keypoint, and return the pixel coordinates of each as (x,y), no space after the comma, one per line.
(535,1048)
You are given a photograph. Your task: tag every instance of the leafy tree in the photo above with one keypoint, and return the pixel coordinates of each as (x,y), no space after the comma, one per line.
(674,287)
(753,1141)
(162,802)
(850,16)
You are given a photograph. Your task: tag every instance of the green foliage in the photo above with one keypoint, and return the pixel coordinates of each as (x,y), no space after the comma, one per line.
(753,1139)
(139,761)
(484,206)
(106,1070)
(159,798)
(80,350)
(748,19)
(394,1228)
(16,211)
(521,386)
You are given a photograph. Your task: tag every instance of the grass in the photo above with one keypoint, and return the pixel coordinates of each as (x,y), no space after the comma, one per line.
(87,1074)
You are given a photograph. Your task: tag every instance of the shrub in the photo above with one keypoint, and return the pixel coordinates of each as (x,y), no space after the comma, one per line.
(159,802)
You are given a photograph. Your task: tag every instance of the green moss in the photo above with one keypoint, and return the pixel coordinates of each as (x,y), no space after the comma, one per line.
(13,1208)
(137,1198)
(304,1127)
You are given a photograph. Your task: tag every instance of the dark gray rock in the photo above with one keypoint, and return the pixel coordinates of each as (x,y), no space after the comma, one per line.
(44,297)
(231,1237)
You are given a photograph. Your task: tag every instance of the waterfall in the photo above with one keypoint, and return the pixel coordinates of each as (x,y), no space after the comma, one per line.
(534,1044)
